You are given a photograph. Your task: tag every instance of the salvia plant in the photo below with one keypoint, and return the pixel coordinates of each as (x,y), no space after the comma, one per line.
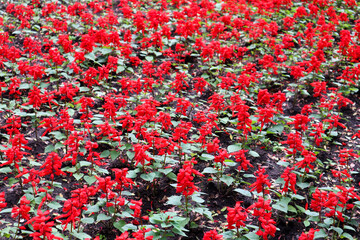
(179,119)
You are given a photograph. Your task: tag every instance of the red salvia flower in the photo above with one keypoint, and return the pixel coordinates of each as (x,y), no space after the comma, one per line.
(345,156)
(334,122)
(121,179)
(23,210)
(181,131)
(264,115)
(261,182)
(317,132)
(140,154)
(221,156)
(217,102)
(290,179)
(13,126)
(305,163)
(212,235)
(3,203)
(15,153)
(319,88)
(268,226)
(180,83)
(50,124)
(200,84)
(35,98)
(52,166)
(165,120)
(240,157)
(262,209)
(236,216)
(140,234)
(300,122)
(318,200)
(309,235)
(67,90)
(185,179)
(42,226)
(295,143)
(93,157)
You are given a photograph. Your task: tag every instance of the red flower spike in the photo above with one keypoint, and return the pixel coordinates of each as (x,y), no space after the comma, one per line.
(212,235)
(290,179)
(185,178)
(261,182)
(309,235)
(3,203)
(236,216)
(52,166)
(23,210)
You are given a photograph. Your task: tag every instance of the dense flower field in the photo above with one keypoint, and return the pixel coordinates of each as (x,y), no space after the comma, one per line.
(179,119)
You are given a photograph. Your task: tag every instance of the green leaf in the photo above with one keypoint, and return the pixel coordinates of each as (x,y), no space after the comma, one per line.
(282,205)
(209,170)
(120,69)
(132,173)
(334,133)
(311,213)
(49,148)
(292,209)
(251,236)
(102,217)
(179,232)
(174,200)
(129,227)
(206,157)
(105,51)
(243,192)
(78,176)
(84,89)
(302,185)
(12,181)
(5,170)
(90,56)
(347,236)
(149,58)
(227,180)
(197,198)
(297,196)
(148,176)
(278,129)
(24,86)
(172,176)
(229,162)
(84,163)
(306,223)
(58,145)
(58,135)
(165,171)
(130,155)
(234,148)
(347,227)
(80,235)
(337,229)
(93,209)
(88,220)
(105,154)
(254,154)
(119,224)
(54,205)
(320,234)
(114,154)
(90,179)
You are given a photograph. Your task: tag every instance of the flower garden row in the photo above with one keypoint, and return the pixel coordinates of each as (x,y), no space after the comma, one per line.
(138,119)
